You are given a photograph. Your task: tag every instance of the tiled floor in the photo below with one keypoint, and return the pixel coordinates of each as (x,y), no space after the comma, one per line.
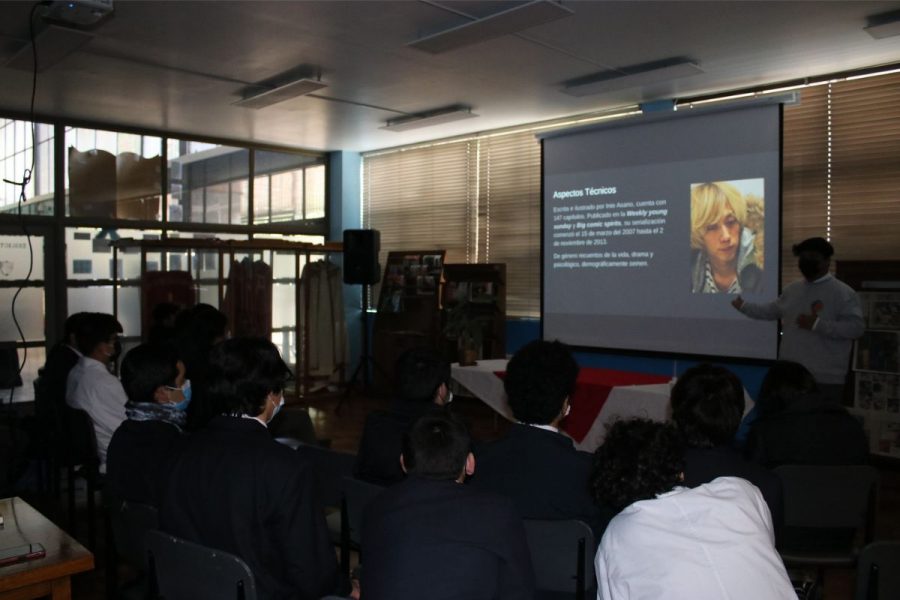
(343,430)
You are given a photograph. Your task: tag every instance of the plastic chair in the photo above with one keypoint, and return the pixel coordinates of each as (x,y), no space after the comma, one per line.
(183,570)
(355,496)
(878,572)
(825,507)
(562,553)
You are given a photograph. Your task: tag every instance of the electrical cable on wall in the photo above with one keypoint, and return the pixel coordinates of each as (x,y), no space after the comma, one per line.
(23,184)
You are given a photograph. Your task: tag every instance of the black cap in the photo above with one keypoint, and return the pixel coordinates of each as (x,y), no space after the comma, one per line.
(815,244)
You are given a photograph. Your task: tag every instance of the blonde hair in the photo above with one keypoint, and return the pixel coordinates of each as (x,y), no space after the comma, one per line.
(708,202)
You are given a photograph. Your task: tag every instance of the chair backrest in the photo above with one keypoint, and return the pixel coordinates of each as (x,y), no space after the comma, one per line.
(355,496)
(562,553)
(130,522)
(79,443)
(878,572)
(330,467)
(838,497)
(188,571)
(294,423)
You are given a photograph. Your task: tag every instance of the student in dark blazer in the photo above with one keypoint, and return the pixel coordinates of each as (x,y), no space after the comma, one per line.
(142,447)
(707,405)
(234,488)
(431,536)
(535,464)
(798,426)
(421,377)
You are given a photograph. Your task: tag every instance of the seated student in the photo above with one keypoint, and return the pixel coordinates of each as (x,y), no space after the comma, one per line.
(143,445)
(90,386)
(197,330)
(421,377)
(534,464)
(430,536)
(234,488)
(707,404)
(61,359)
(711,542)
(797,425)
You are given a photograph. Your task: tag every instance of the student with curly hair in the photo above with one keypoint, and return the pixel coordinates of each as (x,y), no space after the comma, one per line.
(670,542)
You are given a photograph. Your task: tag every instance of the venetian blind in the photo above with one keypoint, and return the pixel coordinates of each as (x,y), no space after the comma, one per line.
(865,158)
(509,215)
(478,198)
(421,199)
(804,175)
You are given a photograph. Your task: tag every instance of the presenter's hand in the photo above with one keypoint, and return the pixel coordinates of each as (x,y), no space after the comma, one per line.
(806,321)
(737,302)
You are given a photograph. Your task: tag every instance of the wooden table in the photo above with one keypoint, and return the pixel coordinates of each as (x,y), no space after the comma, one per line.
(48,576)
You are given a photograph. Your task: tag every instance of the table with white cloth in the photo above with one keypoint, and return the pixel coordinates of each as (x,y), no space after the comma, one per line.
(601,397)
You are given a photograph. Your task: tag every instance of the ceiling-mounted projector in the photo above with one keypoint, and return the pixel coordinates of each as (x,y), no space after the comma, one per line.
(79,13)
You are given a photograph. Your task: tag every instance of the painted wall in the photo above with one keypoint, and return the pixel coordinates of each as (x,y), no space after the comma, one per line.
(344,192)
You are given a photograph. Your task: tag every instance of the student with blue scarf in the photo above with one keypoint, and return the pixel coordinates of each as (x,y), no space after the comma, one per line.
(142,446)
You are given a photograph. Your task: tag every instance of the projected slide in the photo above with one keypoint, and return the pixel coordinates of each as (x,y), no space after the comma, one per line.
(652,227)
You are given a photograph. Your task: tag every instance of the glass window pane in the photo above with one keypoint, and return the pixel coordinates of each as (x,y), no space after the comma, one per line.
(16,155)
(91,299)
(240,202)
(315,192)
(130,310)
(283,265)
(199,178)
(117,177)
(29,314)
(15,258)
(290,174)
(88,253)
(261,199)
(283,305)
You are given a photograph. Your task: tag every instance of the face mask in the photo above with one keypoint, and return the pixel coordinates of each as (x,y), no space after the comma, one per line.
(186,392)
(809,267)
(278,407)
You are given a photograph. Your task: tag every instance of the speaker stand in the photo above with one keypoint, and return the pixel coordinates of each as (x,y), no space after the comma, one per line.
(365,358)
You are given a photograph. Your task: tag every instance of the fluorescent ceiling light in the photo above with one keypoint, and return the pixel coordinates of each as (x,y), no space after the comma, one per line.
(630,77)
(883,25)
(505,22)
(429,118)
(54,43)
(268,97)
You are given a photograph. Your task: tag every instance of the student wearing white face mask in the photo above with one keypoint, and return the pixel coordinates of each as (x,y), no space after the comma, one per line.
(144,444)
(234,488)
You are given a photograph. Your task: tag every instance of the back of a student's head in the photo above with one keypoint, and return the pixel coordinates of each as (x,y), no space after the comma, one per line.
(539,378)
(638,460)
(197,329)
(242,373)
(147,367)
(785,382)
(707,406)
(419,373)
(72,326)
(93,329)
(437,447)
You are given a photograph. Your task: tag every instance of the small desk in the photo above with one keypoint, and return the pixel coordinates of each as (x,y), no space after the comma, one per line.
(48,576)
